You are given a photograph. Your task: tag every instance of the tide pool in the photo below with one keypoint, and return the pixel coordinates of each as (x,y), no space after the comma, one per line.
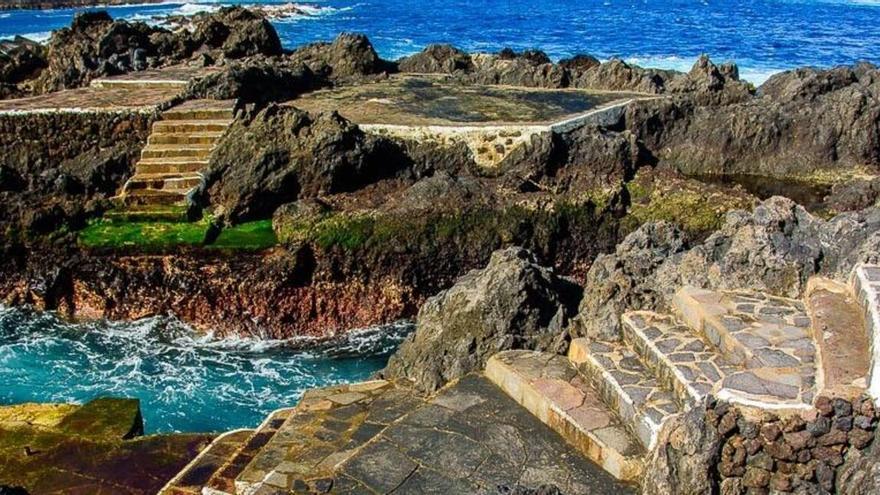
(762,36)
(185,381)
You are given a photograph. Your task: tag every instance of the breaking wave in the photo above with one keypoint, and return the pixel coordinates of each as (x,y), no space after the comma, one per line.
(186,381)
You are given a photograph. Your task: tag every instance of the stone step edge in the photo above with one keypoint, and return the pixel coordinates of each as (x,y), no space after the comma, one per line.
(691,311)
(624,468)
(682,387)
(247,487)
(263,425)
(643,427)
(194,462)
(870,301)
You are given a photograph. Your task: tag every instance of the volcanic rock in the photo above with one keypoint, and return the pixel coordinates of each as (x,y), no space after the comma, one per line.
(513,303)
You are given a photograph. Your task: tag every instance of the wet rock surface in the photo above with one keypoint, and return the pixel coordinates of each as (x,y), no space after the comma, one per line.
(68,449)
(511,304)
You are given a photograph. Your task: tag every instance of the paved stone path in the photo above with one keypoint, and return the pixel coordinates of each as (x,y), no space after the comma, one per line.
(550,387)
(381,437)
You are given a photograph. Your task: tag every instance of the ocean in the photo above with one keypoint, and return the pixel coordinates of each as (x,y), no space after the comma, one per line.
(185,380)
(762,36)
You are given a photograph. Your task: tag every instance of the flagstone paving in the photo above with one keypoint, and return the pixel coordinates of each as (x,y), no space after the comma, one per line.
(769,338)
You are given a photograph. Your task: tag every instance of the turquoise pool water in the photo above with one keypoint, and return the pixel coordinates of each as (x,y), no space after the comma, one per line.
(185,381)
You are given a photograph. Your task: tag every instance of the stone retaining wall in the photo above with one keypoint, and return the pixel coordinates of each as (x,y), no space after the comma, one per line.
(41,140)
(797,454)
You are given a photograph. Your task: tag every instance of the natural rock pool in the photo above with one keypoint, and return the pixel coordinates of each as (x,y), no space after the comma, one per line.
(185,381)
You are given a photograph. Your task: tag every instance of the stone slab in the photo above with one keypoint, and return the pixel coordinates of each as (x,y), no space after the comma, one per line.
(472,438)
(551,389)
(839,329)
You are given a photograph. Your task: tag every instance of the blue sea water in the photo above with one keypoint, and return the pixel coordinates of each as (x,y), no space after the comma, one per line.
(185,381)
(763,36)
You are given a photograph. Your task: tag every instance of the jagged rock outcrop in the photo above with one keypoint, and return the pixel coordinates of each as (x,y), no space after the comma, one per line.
(20,59)
(95,46)
(237,32)
(854,195)
(291,155)
(513,303)
(617,75)
(685,463)
(258,80)
(443,59)
(710,84)
(624,279)
(348,56)
(775,248)
(530,68)
(800,122)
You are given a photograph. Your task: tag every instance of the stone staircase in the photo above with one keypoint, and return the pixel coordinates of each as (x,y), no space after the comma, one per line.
(382,437)
(177,152)
(762,353)
(608,402)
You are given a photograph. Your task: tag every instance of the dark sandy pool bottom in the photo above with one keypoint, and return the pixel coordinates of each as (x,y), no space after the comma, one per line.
(436,101)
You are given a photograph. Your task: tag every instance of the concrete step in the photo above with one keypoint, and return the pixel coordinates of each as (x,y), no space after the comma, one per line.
(184,137)
(838,327)
(224,114)
(153,197)
(680,359)
(865,283)
(198,151)
(626,385)
(223,479)
(166,182)
(197,473)
(187,126)
(768,337)
(148,213)
(170,165)
(549,387)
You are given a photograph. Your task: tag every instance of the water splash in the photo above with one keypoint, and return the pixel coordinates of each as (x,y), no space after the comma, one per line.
(186,381)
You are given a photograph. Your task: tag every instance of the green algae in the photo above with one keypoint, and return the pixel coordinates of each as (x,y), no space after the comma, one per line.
(468,229)
(690,205)
(144,236)
(60,448)
(249,236)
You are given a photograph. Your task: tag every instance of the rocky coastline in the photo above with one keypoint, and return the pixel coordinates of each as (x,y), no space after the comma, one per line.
(555,242)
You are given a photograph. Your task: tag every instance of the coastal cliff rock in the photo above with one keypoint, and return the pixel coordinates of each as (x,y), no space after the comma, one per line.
(292,155)
(800,123)
(349,56)
(513,303)
(437,58)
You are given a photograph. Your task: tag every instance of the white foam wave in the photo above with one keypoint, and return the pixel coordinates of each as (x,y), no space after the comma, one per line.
(754,75)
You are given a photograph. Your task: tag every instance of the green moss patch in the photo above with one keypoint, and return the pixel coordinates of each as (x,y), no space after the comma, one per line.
(473,229)
(695,207)
(250,236)
(145,236)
